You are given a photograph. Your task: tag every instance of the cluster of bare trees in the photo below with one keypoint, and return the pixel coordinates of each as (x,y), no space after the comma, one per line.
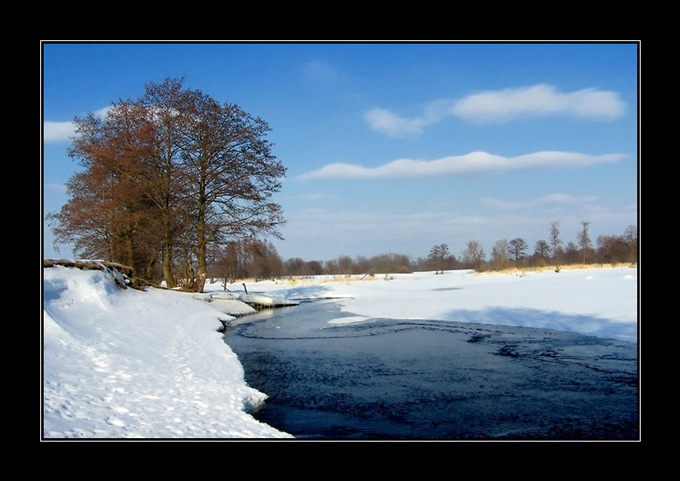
(515,253)
(173,176)
(505,254)
(382,263)
(259,259)
(247,259)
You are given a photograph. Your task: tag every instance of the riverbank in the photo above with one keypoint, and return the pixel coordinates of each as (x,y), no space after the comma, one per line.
(138,364)
(151,364)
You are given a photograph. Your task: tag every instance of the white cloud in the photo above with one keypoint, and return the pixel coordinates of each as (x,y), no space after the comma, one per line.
(501,106)
(556,199)
(64,131)
(319,71)
(538,101)
(312,196)
(504,204)
(58,131)
(61,188)
(393,125)
(379,228)
(388,123)
(472,163)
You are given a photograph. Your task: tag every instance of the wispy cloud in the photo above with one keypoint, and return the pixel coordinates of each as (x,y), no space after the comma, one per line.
(319,71)
(58,131)
(64,131)
(391,124)
(61,188)
(503,105)
(539,101)
(382,227)
(472,163)
(556,199)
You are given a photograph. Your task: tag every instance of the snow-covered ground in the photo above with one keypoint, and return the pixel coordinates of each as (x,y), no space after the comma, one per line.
(599,301)
(125,363)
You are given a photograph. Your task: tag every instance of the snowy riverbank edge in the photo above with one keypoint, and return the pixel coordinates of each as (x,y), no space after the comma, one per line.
(131,364)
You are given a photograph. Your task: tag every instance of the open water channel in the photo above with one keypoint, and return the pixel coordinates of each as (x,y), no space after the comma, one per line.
(399,379)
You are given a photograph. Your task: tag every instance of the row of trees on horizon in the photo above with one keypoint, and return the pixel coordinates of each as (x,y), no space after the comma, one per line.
(259,259)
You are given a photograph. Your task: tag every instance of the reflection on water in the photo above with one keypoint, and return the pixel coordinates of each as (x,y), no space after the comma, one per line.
(390,379)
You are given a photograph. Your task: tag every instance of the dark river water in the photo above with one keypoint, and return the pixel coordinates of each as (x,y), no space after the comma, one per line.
(392,379)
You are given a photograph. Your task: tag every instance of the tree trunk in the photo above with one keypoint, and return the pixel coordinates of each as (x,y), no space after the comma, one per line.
(167,268)
(130,250)
(150,267)
(167,254)
(201,240)
(202,272)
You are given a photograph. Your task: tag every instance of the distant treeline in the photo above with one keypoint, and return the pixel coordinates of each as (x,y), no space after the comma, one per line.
(259,259)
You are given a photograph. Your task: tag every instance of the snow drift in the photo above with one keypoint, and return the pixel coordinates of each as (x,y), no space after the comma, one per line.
(126,363)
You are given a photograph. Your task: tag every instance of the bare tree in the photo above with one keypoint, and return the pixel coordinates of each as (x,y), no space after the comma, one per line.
(108,213)
(266,262)
(541,252)
(344,264)
(518,248)
(613,248)
(439,258)
(500,253)
(584,240)
(165,186)
(631,236)
(555,241)
(231,172)
(571,253)
(474,254)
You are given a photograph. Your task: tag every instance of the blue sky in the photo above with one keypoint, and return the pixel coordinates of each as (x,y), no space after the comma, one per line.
(395,147)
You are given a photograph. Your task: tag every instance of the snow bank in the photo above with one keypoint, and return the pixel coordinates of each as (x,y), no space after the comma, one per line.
(125,363)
